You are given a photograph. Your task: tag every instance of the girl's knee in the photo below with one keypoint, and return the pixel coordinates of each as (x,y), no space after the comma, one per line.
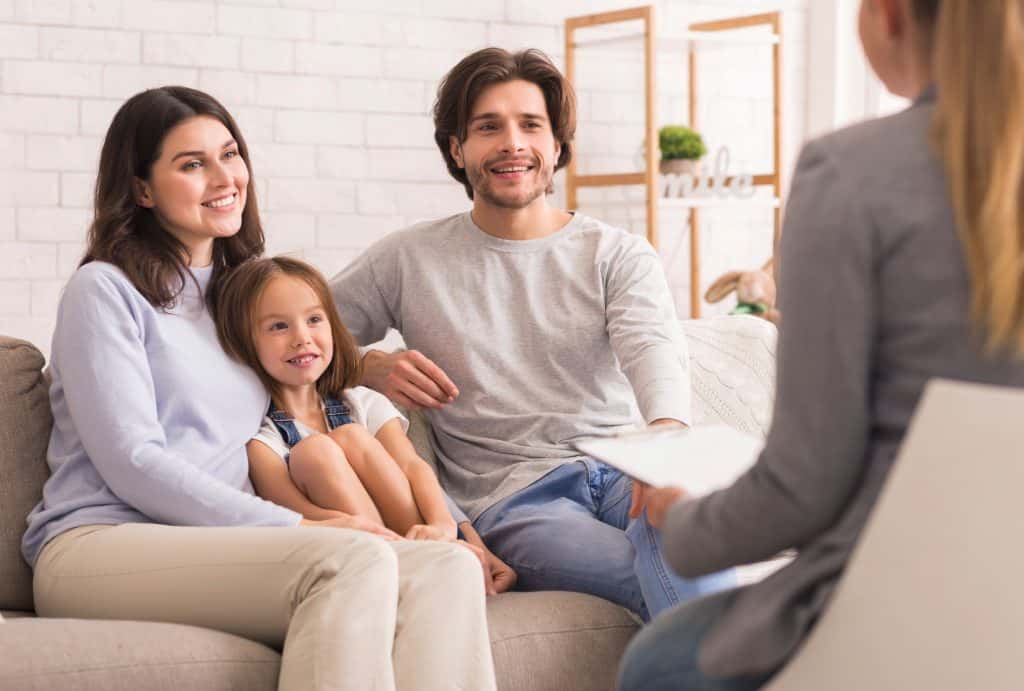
(315,458)
(319,443)
(351,433)
(315,450)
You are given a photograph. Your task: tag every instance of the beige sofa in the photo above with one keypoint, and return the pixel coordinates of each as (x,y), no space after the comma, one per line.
(541,641)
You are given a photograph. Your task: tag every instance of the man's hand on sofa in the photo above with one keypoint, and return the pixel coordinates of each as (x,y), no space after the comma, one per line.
(408,378)
(500,577)
(503,576)
(481,555)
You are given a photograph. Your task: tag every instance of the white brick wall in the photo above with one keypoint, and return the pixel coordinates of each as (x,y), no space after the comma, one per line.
(88,45)
(333,97)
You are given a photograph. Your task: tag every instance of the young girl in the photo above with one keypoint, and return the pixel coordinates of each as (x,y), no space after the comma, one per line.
(326,446)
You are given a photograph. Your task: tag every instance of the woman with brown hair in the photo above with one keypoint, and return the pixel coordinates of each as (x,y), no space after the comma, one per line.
(902,261)
(149,512)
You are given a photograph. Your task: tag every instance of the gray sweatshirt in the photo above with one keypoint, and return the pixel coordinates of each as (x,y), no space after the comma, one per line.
(874,295)
(549,341)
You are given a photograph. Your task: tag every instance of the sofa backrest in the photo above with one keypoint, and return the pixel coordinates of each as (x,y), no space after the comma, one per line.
(25,422)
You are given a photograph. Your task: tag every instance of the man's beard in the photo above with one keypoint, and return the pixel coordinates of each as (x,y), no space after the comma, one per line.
(482,188)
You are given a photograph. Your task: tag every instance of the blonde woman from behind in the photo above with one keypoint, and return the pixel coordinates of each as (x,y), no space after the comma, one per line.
(903,260)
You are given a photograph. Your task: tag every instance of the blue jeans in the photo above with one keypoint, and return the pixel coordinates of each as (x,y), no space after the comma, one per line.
(570,530)
(663,656)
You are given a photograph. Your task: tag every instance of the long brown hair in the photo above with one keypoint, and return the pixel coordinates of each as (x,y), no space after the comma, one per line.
(978,64)
(460,88)
(129,236)
(236,319)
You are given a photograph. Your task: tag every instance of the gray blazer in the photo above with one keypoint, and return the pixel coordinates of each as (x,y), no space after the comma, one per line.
(874,296)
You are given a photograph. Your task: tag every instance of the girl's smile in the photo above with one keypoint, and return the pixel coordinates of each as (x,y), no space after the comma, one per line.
(304,360)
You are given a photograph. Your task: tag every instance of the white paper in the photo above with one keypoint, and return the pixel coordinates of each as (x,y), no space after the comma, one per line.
(698,459)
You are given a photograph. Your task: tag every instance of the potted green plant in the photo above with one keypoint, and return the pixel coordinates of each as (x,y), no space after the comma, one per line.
(681,149)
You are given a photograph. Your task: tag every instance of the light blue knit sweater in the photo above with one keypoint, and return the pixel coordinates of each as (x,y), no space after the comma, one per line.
(150,416)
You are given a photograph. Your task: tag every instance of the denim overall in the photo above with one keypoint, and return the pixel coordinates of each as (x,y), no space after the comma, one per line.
(336,412)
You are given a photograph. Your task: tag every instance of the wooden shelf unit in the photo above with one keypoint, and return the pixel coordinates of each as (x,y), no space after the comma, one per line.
(716,32)
(649,177)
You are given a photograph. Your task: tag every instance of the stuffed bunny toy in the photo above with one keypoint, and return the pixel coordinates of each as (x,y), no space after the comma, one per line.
(755,292)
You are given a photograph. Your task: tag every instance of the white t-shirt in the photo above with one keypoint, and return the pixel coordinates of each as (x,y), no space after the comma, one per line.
(366,407)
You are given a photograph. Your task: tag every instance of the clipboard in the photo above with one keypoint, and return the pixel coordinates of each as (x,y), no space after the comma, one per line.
(698,459)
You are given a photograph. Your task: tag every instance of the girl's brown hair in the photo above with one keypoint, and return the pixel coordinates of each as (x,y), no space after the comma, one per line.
(463,84)
(977,49)
(236,317)
(129,236)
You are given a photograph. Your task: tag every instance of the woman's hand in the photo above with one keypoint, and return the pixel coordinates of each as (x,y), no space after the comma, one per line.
(659,501)
(422,531)
(642,491)
(344,520)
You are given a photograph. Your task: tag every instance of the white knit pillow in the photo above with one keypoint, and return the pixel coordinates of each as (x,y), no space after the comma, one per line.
(732,371)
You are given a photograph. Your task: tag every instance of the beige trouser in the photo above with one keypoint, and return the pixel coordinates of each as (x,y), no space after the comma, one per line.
(353,611)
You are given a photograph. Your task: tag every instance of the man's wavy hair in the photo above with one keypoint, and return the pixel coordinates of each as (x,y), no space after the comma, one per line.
(461,87)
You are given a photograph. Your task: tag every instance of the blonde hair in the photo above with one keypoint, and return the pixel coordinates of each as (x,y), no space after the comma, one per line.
(978,64)
(235,313)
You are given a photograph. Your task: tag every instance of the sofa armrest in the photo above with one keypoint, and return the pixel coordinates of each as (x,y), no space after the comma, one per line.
(25,422)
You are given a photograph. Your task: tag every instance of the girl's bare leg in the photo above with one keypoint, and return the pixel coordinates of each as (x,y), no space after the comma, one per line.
(380,475)
(319,467)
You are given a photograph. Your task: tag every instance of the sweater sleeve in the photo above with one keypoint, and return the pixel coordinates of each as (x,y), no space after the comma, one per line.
(111,400)
(813,456)
(646,335)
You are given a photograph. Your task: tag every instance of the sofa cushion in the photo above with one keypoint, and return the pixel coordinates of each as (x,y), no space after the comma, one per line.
(25,422)
(552,641)
(544,641)
(9,614)
(108,655)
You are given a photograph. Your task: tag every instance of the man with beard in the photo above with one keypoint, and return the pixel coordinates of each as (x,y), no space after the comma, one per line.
(529,327)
